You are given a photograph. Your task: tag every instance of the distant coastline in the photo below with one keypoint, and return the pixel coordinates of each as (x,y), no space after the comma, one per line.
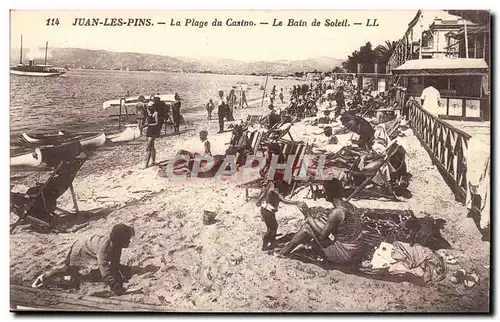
(77,58)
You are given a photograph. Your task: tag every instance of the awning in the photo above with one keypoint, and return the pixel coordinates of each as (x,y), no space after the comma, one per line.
(442,67)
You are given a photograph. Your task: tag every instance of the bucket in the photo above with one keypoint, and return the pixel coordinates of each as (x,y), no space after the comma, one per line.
(209,217)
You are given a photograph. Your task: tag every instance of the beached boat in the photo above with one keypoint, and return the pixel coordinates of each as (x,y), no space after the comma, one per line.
(94,142)
(36,70)
(88,140)
(133,100)
(33,159)
(131,132)
(39,138)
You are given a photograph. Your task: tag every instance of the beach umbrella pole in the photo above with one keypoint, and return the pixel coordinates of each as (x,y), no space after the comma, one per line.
(263,94)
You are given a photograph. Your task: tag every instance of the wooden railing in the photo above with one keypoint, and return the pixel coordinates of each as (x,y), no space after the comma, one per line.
(446,145)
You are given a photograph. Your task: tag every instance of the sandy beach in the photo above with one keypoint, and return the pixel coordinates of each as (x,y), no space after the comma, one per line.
(220,267)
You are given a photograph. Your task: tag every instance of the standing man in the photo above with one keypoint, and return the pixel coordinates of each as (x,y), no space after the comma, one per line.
(221,111)
(176,113)
(430,99)
(340,100)
(243,99)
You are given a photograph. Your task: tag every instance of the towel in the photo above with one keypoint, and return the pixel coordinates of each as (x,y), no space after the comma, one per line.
(478,160)
(433,266)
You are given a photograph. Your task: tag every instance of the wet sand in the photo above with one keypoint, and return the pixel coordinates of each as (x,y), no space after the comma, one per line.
(220,267)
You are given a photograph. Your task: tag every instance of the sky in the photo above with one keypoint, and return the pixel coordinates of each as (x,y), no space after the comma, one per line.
(260,42)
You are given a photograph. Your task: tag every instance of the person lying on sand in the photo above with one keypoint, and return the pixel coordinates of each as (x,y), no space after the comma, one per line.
(103,251)
(339,236)
(273,195)
(328,139)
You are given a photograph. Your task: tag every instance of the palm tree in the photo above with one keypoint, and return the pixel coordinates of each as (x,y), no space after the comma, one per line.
(384,52)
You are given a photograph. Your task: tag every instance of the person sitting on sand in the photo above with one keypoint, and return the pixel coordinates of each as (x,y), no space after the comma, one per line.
(272,150)
(153,130)
(210,108)
(273,195)
(238,145)
(274,117)
(325,119)
(103,251)
(339,236)
(328,139)
(206,143)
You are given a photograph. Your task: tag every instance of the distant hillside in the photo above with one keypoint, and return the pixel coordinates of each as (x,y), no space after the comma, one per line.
(102,59)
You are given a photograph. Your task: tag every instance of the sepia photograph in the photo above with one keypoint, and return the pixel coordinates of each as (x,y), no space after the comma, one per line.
(250,161)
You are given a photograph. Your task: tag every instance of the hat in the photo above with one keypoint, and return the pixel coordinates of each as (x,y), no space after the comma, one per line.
(151,103)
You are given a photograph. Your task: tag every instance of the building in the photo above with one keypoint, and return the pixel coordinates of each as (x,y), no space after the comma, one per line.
(438,41)
(453,55)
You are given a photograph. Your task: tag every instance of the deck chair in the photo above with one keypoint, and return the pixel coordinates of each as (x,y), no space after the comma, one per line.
(390,151)
(278,132)
(296,149)
(253,119)
(338,160)
(53,155)
(254,141)
(38,204)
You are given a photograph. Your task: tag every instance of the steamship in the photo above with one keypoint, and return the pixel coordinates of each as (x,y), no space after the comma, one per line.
(35,70)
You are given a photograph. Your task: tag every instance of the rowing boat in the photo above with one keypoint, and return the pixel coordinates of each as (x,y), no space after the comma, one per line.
(38,139)
(33,159)
(133,100)
(94,142)
(88,140)
(131,132)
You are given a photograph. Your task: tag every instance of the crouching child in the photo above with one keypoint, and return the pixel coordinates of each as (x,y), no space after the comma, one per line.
(94,250)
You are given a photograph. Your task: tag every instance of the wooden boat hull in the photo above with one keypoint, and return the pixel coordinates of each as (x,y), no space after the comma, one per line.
(31,159)
(35,74)
(133,100)
(128,134)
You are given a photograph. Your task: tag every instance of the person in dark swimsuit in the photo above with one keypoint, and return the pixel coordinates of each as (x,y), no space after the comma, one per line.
(273,195)
(340,100)
(243,99)
(339,236)
(153,129)
(176,113)
(162,109)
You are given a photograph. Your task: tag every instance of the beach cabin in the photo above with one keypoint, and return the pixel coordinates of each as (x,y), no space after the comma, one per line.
(462,83)
(372,74)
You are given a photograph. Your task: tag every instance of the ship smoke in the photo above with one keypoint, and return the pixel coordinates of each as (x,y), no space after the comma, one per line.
(37,54)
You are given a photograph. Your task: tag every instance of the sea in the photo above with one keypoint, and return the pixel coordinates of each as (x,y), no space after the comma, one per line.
(73,102)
